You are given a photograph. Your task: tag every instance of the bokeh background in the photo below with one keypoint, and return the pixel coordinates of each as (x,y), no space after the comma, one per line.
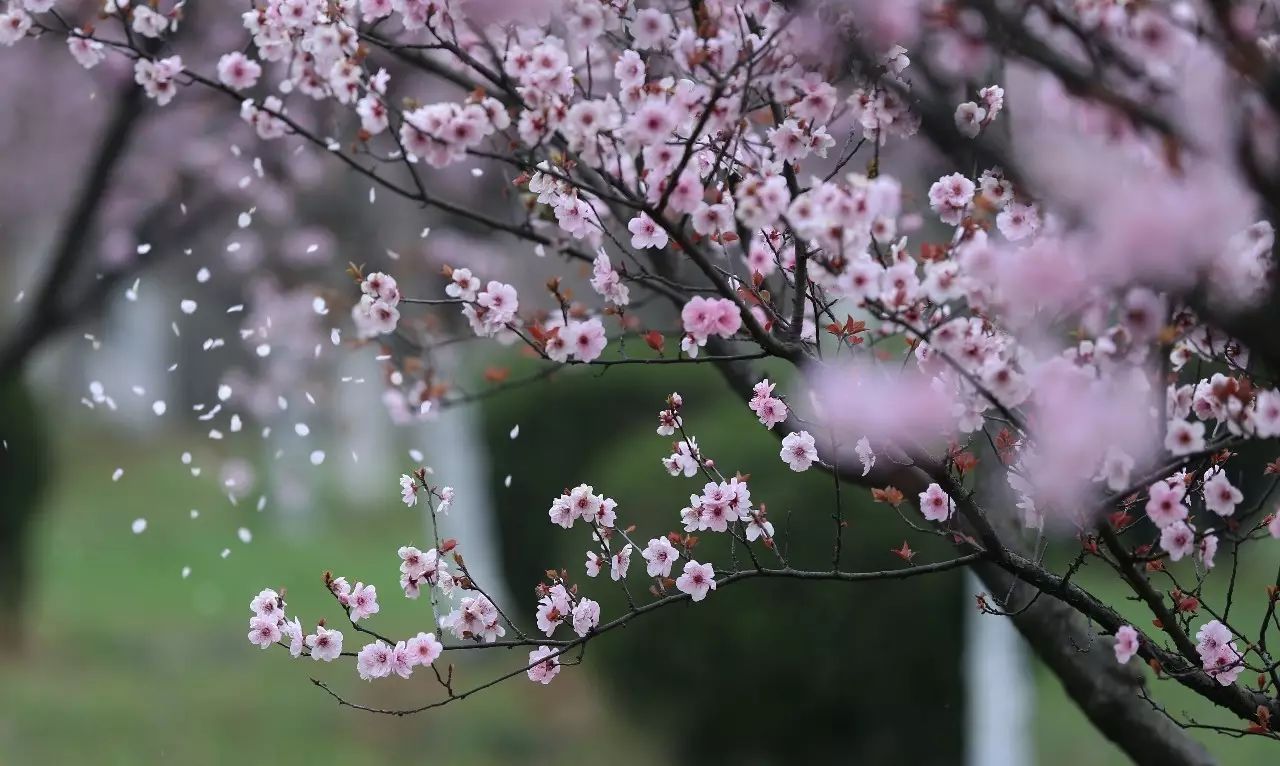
(110,652)
(123,658)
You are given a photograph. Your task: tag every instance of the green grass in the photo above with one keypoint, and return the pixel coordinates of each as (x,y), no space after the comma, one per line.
(131,664)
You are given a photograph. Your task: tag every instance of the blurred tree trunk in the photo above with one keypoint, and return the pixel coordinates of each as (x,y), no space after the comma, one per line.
(23,473)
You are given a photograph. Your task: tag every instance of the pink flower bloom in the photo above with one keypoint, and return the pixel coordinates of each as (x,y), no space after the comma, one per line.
(865,455)
(697,580)
(264,631)
(14,26)
(1211,637)
(1266,413)
(1126,643)
(293,630)
(1208,549)
(660,555)
(704,317)
(87,53)
(401,660)
(607,282)
(585,340)
(950,197)
(586,616)
(325,644)
(936,505)
(475,619)
(500,301)
(424,649)
(768,408)
(408,490)
(237,71)
(553,609)
(1116,468)
(1178,539)
(646,233)
(375,661)
(1225,666)
(798,451)
(543,666)
(363,601)
(620,562)
(1017,221)
(969,119)
(1165,504)
(267,605)
(1183,438)
(650,28)
(594,563)
(1219,494)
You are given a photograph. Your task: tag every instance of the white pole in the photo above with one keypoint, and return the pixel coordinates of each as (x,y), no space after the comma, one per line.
(999,688)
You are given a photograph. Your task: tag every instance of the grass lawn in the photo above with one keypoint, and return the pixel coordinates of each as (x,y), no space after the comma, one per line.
(128,663)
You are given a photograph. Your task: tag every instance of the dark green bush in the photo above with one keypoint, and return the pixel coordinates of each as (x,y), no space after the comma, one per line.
(765,671)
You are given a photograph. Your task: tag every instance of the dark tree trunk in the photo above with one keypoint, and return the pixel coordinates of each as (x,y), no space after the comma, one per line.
(22,477)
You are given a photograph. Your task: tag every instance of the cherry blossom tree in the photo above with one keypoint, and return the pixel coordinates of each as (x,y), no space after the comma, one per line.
(1064,334)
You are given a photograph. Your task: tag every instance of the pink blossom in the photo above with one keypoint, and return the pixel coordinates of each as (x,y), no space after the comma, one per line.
(798,451)
(423,649)
(697,580)
(646,233)
(543,665)
(585,340)
(375,660)
(401,660)
(704,317)
(1126,643)
(768,408)
(325,644)
(293,630)
(267,605)
(659,555)
(620,562)
(1208,549)
(936,505)
(1177,539)
(1164,506)
(408,490)
(950,197)
(1183,438)
(553,609)
(970,118)
(363,601)
(586,616)
(1220,496)
(237,71)
(263,631)
(1017,221)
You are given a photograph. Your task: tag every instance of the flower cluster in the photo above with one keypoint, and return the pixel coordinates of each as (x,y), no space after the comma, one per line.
(376,313)
(268,626)
(770,409)
(418,568)
(1218,653)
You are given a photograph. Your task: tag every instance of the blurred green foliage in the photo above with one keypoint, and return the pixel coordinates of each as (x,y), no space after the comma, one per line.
(23,475)
(765,671)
